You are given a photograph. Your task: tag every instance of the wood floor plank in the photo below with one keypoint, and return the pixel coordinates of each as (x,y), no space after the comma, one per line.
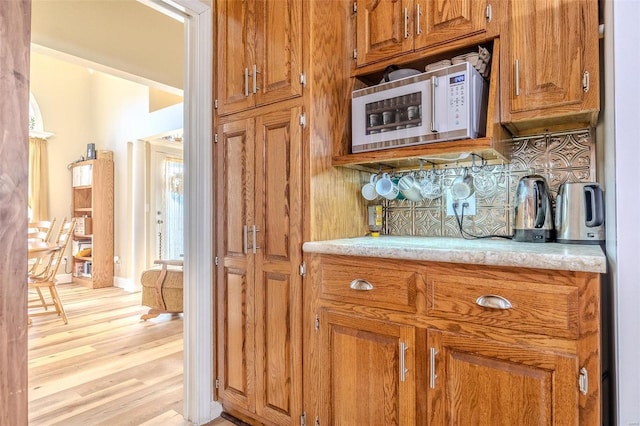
(106,366)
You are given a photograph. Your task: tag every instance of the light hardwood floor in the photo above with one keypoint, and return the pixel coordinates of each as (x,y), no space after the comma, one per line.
(106,367)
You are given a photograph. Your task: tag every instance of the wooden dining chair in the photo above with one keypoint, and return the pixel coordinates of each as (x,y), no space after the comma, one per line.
(41,230)
(46,280)
(45,226)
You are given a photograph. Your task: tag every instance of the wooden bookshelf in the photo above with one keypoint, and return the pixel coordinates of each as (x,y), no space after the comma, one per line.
(92,186)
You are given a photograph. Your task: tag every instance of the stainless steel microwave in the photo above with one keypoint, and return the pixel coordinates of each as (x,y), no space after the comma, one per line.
(449,103)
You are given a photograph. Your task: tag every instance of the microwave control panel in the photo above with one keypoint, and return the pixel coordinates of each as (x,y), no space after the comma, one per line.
(457,101)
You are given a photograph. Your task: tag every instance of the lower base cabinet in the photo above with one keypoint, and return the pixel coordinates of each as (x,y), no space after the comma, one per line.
(368,377)
(392,342)
(480,382)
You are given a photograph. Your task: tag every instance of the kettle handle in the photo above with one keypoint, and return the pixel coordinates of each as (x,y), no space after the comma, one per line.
(387,71)
(541,206)
(594,207)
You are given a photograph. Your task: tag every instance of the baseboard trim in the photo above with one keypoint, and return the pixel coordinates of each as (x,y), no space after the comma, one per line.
(126,284)
(63,278)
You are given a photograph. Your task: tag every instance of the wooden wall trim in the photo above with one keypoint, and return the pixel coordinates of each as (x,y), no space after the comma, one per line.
(15,34)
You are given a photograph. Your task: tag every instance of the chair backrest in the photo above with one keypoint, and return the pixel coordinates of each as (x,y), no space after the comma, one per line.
(34,234)
(62,240)
(45,226)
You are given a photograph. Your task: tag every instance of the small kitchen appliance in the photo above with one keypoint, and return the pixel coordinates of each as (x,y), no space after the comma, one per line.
(533,216)
(440,105)
(580,213)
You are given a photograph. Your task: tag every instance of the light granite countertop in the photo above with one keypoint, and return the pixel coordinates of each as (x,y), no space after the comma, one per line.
(568,257)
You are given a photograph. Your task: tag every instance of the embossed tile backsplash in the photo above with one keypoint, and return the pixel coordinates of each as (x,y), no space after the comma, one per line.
(559,158)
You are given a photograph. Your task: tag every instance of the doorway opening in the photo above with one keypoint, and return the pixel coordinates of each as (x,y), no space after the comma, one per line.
(166,200)
(198,208)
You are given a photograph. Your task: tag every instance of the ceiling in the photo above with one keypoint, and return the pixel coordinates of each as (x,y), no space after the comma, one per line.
(121,37)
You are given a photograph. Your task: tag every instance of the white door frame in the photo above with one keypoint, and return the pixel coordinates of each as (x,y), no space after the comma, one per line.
(199,406)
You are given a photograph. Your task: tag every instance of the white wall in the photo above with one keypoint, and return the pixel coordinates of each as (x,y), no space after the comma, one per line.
(82,107)
(622,38)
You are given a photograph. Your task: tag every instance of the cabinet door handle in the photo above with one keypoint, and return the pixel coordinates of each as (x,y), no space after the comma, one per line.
(245,239)
(432,368)
(255,78)
(493,302)
(254,229)
(402,354)
(406,22)
(361,285)
(517,77)
(434,84)
(246,82)
(418,14)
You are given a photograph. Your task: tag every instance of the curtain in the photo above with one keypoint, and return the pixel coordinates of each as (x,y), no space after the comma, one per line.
(38,180)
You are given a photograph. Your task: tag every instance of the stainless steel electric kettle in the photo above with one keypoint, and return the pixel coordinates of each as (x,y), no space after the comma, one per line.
(580,213)
(533,216)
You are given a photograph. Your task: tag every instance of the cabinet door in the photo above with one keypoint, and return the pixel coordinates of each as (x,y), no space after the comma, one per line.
(235,287)
(482,382)
(550,45)
(278,51)
(234,59)
(278,255)
(368,372)
(384,29)
(440,21)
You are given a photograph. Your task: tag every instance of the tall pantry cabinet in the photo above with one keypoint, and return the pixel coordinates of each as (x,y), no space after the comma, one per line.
(259,284)
(274,187)
(259,209)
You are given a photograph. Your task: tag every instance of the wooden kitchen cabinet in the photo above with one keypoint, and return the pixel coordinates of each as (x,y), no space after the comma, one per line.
(369,374)
(259,291)
(491,345)
(481,382)
(259,53)
(389,28)
(550,71)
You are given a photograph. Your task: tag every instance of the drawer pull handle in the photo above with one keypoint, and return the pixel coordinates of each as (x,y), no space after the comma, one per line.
(493,302)
(361,285)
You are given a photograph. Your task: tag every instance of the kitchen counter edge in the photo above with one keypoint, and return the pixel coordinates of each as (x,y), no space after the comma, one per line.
(567,257)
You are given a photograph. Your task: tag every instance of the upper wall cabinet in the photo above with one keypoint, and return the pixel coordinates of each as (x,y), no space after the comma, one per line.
(550,65)
(259,53)
(388,28)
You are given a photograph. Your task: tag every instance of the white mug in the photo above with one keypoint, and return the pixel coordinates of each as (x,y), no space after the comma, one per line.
(386,188)
(462,187)
(369,189)
(410,188)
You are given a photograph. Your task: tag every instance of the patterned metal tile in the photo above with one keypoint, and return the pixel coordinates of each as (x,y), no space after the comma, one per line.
(428,222)
(399,221)
(558,157)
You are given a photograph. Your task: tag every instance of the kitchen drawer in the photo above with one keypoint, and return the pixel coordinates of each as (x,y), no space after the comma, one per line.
(525,306)
(371,282)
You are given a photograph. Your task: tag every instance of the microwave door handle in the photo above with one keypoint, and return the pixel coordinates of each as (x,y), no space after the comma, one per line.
(434,84)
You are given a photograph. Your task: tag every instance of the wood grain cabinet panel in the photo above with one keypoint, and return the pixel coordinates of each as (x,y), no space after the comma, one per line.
(481,382)
(368,373)
(259,292)
(447,20)
(389,28)
(550,65)
(370,282)
(259,53)
(530,355)
(505,303)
